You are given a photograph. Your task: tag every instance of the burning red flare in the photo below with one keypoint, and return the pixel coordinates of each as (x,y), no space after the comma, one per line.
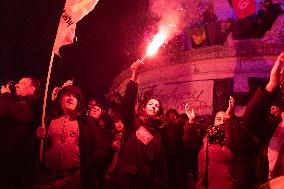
(157,42)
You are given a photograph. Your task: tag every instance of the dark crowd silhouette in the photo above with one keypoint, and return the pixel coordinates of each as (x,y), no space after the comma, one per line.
(120,143)
(123,144)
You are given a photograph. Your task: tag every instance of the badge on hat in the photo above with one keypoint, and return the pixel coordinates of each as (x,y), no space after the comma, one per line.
(143,135)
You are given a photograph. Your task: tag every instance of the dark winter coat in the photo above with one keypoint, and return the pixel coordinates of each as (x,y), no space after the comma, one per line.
(193,141)
(96,152)
(261,124)
(17,119)
(173,140)
(140,166)
(244,148)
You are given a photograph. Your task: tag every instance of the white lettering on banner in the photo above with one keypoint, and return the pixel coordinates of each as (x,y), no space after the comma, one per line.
(198,94)
(67,18)
(74,10)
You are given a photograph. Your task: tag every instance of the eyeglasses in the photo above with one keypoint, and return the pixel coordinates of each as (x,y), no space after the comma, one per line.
(95,108)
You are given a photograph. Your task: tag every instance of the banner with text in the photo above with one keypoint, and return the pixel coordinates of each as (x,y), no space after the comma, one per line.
(198,94)
(74,11)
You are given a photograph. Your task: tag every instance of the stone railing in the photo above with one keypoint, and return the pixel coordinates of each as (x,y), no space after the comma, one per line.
(272,44)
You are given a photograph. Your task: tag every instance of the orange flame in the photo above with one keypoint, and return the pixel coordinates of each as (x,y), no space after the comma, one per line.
(157,42)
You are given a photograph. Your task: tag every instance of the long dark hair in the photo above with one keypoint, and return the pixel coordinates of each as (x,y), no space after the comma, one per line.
(142,106)
(152,121)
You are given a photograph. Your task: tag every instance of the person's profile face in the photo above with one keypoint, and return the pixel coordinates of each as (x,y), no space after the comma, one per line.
(24,87)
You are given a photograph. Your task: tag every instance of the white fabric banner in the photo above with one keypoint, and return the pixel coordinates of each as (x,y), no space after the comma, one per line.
(74,10)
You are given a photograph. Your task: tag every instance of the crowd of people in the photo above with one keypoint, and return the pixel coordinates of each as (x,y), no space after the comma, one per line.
(138,146)
(211,30)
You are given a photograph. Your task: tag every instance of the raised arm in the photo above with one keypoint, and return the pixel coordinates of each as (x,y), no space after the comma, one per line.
(231,108)
(136,68)
(258,109)
(190,113)
(276,74)
(131,90)
(127,106)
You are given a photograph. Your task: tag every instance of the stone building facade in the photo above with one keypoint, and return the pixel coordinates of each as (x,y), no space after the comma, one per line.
(205,77)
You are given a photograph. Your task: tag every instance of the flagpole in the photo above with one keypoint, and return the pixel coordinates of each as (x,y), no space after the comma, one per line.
(45,101)
(74,13)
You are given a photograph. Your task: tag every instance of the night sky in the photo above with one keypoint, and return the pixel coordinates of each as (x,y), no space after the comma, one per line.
(108,39)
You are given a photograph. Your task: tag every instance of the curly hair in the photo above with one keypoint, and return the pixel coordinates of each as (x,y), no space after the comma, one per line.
(144,102)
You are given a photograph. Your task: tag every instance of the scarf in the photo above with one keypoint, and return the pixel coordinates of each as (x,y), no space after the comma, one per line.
(216,134)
